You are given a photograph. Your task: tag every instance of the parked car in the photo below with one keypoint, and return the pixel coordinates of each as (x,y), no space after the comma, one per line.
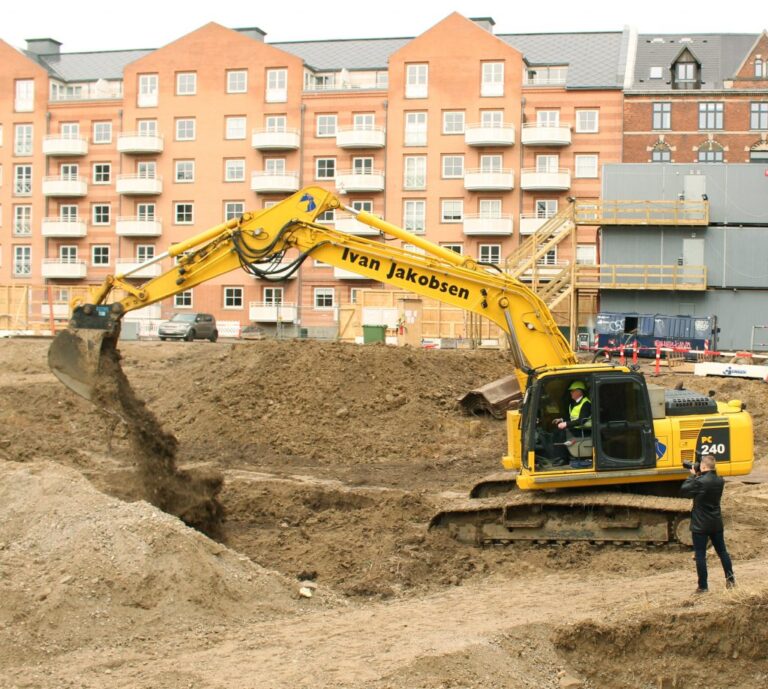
(189,326)
(253,332)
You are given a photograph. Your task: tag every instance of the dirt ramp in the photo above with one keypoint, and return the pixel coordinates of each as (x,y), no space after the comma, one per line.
(190,495)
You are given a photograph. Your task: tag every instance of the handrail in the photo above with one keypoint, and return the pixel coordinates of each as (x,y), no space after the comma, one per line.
(678,212)
(641,276)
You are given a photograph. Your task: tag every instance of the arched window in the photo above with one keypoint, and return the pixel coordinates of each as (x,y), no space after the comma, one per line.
(711,152)
(759,68)
(758,153)
(661,152)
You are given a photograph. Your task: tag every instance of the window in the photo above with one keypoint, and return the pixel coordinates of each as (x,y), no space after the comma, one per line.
(451,210)
(490,163)
(146,169)
(276,123)
(456,248)
(235,128)
(22,180)
(100,255)
(1,134)
(661,153)
(415,172)
(184,171)
(547,163)
(662,115)
(492,118)
(685,72)
(22,140)
(587,121)
(277,85)
(453,122)
(453,166)
(273,295)
(68,253)
(414,215)
(186,84)
(711,152)
(655,73)
(25,95)
(325,168)
(145,211)
(710,115)
(183,300)
(182,213)
(147,127)
(416,81)
(148,90)
(490,209)
(102,173)
(362,165)
(586,166)
(233,209)
(366,206)
(70,130)
(102,132)
(144,252)
(101,213)
(548,259)
(326,125)
(758,116)
(185,129)
(22,221)
(363,121)
(22,261)
(415,129)
(234,170)
(548,118)
(546,208)
(237,81)
(69,172)
(324,297)
(274,166)
(492,83)
(68,213)
(586,254)
(489,253)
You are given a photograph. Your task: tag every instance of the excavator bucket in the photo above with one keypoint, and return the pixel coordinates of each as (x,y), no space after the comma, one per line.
(494,398)
(75,357)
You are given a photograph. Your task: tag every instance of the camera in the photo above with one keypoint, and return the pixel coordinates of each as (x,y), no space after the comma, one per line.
(696,466)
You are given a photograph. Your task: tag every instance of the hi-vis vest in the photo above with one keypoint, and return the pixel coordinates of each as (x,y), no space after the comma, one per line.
(576,410)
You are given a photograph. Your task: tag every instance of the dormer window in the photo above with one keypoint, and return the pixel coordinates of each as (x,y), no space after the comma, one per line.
(686,71)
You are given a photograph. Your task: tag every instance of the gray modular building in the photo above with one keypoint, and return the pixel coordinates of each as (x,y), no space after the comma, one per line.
(733,247)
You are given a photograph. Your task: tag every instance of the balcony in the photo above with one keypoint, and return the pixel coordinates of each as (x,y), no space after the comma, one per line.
(56,227)
(482,180)
(549,180)
(269,140)
(65,185)
(499,226)
(262,312)
(138,227)
(139,185)
(64,268)
(274,182)
(353,180)
(57,145)
(483,135)
(536,135)
(137,143)
(360,137)
(151,271)
(530,223)
(352,225)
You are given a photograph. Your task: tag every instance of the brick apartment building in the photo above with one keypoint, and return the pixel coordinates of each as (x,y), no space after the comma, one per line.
(469,137)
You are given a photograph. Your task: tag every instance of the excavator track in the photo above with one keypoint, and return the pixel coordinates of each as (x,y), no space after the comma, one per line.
(594,517)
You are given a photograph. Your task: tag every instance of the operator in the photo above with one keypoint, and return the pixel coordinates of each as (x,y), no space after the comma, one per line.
(579,412)
(706,489)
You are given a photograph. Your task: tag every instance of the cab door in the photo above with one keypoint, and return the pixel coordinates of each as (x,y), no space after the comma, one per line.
(622,423)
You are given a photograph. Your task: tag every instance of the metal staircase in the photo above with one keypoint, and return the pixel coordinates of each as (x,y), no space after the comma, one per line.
(526,257)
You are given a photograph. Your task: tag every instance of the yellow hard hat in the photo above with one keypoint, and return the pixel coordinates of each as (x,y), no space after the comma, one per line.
(577,385)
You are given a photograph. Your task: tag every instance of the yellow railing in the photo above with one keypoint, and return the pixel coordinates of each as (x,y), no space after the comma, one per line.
(661,277)
(596,212)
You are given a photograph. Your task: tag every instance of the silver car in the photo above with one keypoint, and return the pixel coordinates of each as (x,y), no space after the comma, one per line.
(189,326)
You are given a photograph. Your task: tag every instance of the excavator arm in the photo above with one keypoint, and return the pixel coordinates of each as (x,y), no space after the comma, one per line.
(259,243)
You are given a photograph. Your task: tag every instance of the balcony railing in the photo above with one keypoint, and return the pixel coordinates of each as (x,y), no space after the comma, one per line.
(529,223)
(139,185)
(548,180)
(65,185)
(539,135)
(57,227)
(267,312)
(270,140)
(62,145)
(355,180)
(499,226)
(484,180)
(138,227)
(632,277)
(64,268)
(274,182)
(486,135)
(138,143)
(360,137)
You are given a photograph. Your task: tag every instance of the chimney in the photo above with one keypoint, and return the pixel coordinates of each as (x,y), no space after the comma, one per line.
(253,32)
(43,46)
(486,23)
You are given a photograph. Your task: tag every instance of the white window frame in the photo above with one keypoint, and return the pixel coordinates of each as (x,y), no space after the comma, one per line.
(145,252)
(69,212)
(364,121)
(233,209)
(237,81)
(22,260)
(547,118)
(489,253)
(586,254)
(102,132)
(180,211)
(101,214)
(453,246)
(24,100)
(489,209)
(276,85)
(234,170)
(23,139)
(452,210)
(273,296)
(547,162)
(586,166)
(491,163)
(324,166)
(235,128)
(415,172)
(415,215)
(68,253)
(454,122)
(415,128)
(183,300)
(546,208)
(146,169)
(275,166)
(147,127)
(22,180)
(146,211)
(148,91)
(186,83)
(185,129)
(326,125)
(22,220)
(362,165)
(99,252)
(102,173)
(492,118)
(276,123)
(587,121)
(417,80)
(452,166)
(321,295)
(184,171)
(492,79)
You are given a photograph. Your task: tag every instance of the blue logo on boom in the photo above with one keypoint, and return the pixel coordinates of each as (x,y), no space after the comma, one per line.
(661,448)
(311,205)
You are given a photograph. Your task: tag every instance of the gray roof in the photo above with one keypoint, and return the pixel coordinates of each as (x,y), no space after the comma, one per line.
(364,53)
(72,67)
(595,60)
(720,55)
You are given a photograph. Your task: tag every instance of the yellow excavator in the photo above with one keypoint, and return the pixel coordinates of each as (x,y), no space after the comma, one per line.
(613,482)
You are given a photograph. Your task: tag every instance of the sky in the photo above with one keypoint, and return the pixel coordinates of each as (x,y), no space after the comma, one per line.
(88,25)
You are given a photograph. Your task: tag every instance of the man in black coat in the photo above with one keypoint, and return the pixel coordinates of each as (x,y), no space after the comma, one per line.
(706,489)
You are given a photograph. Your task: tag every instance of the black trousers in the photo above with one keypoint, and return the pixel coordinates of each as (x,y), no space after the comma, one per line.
(700,541)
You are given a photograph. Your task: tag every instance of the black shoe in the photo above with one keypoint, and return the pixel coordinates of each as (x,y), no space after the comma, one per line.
(700,590)
(730,583)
